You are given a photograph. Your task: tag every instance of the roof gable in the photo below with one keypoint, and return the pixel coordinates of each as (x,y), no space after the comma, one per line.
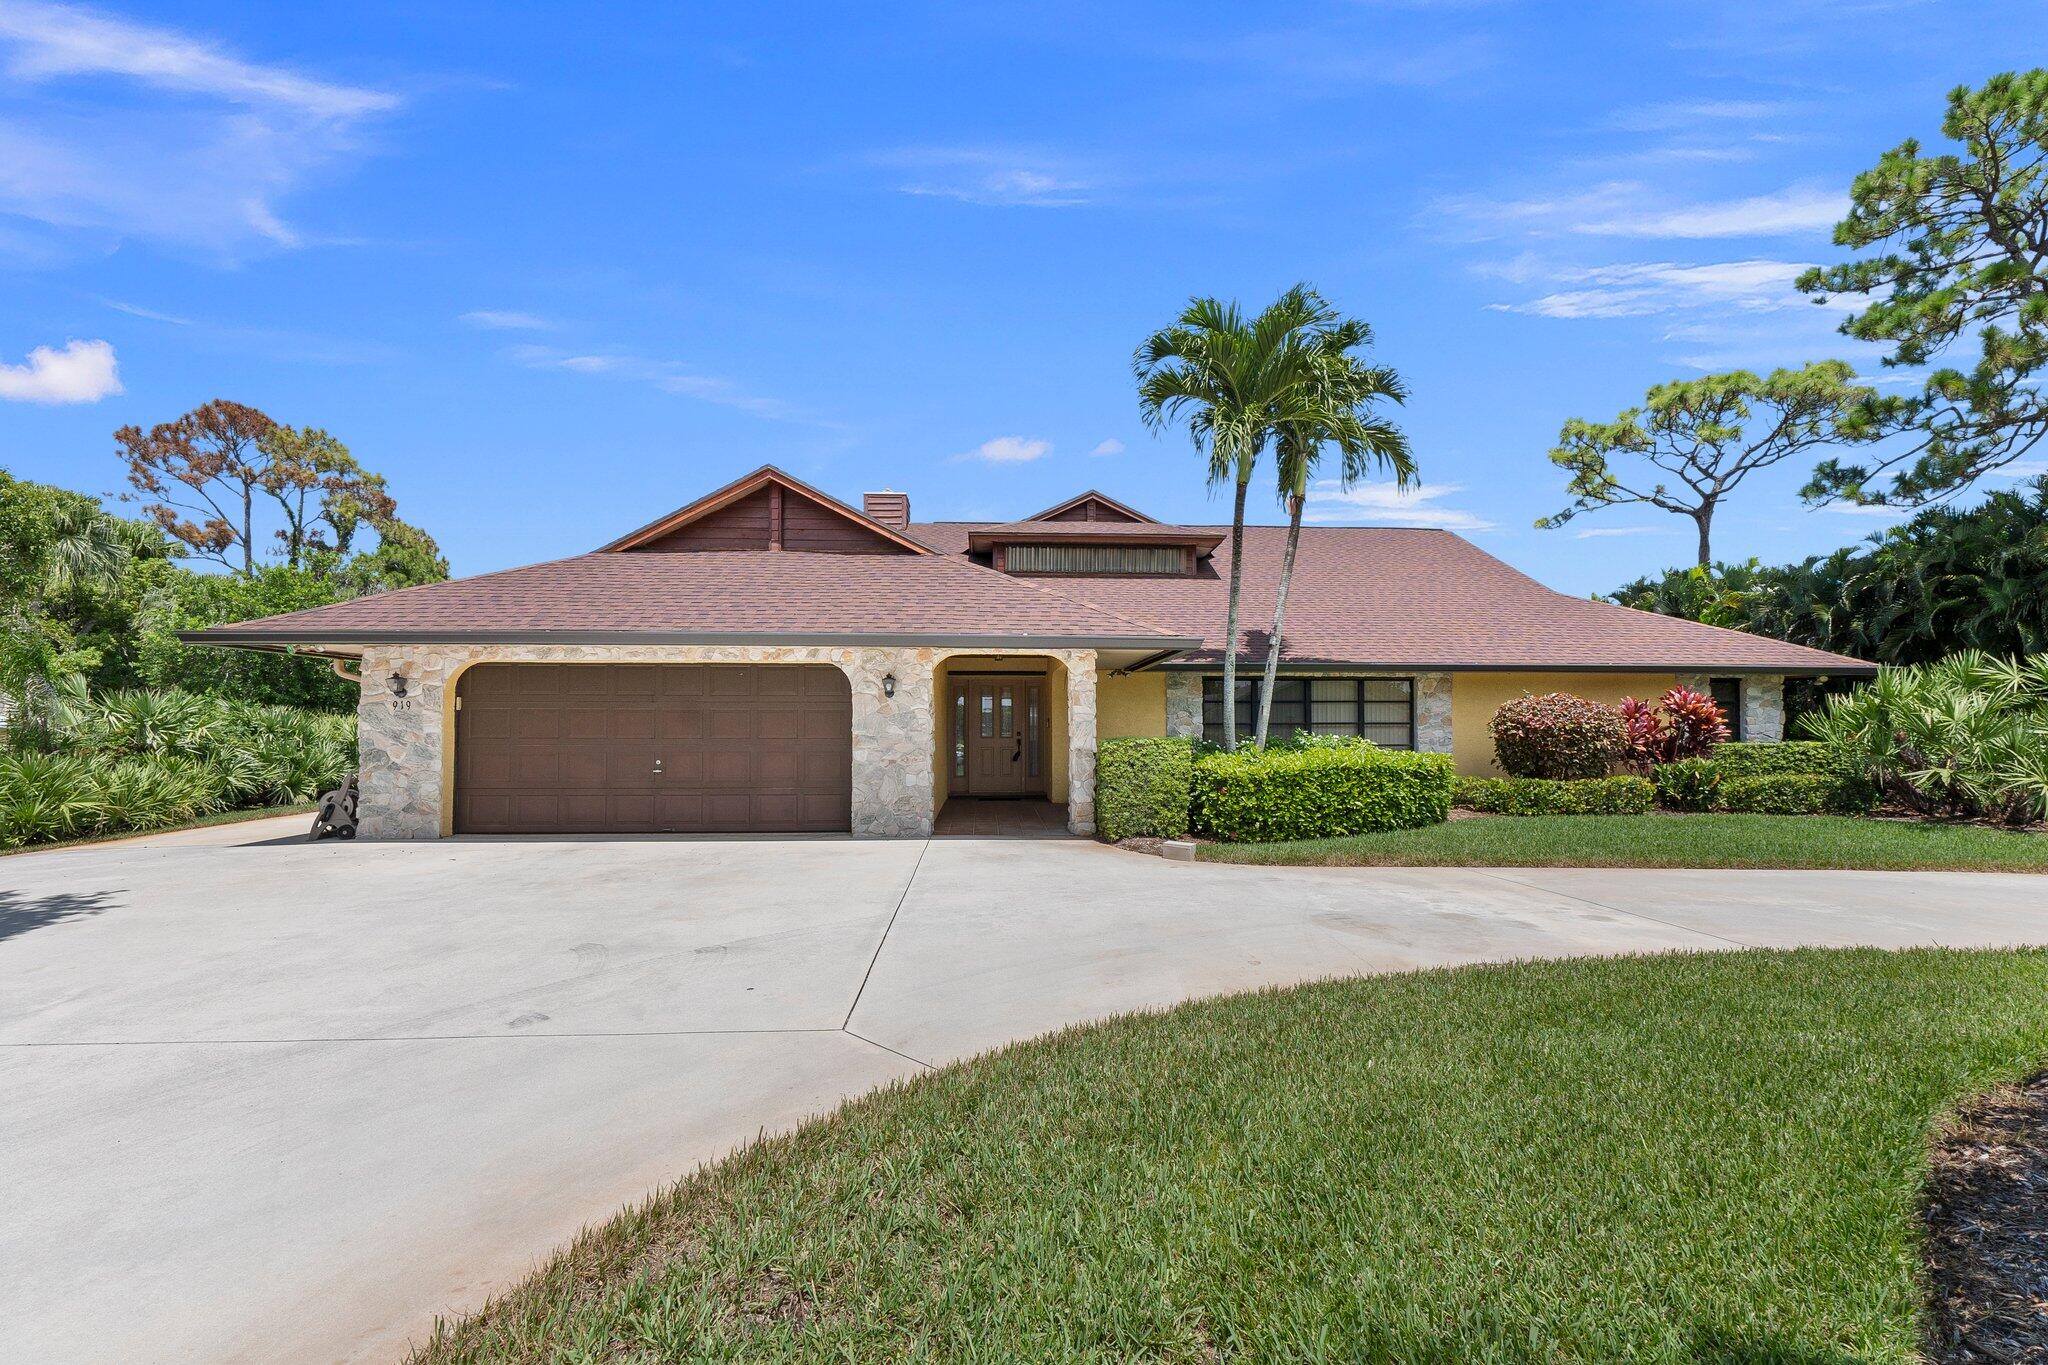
(767,510)
(1090,506)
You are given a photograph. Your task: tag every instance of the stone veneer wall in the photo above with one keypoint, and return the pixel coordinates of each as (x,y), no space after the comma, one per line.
(406,763)
(1432,705)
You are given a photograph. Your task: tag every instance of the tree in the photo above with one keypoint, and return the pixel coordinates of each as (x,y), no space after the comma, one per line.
(1710,434)
(325,495)
(1223,376)
(208,464)
(208,472)
(1332,408)
(1963,246)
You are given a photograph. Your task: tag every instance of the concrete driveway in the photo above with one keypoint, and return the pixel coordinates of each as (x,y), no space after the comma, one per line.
(279,1101)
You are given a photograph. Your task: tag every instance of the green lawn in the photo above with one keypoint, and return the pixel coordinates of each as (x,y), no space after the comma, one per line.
(1689,1158)
(1665,841)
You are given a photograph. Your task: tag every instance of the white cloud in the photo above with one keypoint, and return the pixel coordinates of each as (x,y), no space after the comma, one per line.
(1607,532)
(1387,504)
(2024,469)
(668,376)
(1631,208)
(58,40)
(1112,446)
(205,164)
(83,372)
(504,321)
(1852,509)
(997,176)
(149,313)
(1008,450)
(1641,289)
(1792,211)
(1689,113)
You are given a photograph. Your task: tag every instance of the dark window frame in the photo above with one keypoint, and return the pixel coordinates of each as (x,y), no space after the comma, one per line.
(1285,712)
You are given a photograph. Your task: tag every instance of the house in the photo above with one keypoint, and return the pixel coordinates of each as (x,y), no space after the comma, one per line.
(769,658)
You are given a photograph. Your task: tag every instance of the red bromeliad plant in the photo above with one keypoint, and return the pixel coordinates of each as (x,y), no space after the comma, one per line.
(1681,724)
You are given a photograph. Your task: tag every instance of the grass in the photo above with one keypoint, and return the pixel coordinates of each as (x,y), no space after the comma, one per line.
(219,817)
(1836,841)
(1704,1157)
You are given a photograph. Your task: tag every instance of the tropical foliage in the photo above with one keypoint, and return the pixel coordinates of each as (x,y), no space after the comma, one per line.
(1334,412)
(1233,382)
(78,764)
(1964,737)
(1681,724)
(1946,580)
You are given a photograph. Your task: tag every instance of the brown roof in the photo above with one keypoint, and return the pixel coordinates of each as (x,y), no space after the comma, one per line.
(1405,597)
(1363,596)
(711,597)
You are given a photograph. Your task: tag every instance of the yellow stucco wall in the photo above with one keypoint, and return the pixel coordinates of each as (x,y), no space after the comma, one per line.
(1130,707)
(1476,696)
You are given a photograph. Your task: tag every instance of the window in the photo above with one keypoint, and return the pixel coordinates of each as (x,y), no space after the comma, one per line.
(1380,709)
(1728,696)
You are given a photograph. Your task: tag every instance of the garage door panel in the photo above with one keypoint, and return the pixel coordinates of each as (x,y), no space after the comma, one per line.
(573,747)
(671,724)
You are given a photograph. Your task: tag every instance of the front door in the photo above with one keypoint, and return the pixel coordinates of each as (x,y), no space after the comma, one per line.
(1005,724)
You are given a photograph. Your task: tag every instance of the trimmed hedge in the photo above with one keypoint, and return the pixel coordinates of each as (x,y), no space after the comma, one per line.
(1623,794)
(1781,794)
(1262,796)
(1730,780)
(1143,786)
(1746,758)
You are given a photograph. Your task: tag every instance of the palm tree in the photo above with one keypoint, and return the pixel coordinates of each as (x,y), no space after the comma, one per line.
(1331,409)
(87,548)
(1227,377)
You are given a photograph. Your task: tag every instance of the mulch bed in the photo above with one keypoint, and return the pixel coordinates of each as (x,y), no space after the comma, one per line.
(1987,1230)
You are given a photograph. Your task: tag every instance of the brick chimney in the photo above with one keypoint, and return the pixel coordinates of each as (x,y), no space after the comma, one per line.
(891,509)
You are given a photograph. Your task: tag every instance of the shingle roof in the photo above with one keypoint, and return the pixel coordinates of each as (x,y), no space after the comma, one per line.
(783,594)
(1412,597)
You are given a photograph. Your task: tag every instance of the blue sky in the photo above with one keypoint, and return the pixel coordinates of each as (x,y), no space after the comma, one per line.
(556,272)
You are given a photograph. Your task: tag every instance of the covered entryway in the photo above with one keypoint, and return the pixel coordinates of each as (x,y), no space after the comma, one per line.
(653,748)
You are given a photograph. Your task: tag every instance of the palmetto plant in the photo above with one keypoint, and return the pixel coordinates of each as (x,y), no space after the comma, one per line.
(1965,736)
(139,760)
(1228,378)
(1332,410)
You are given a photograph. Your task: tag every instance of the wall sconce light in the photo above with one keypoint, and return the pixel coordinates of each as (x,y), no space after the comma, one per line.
(888,684)
(396,682)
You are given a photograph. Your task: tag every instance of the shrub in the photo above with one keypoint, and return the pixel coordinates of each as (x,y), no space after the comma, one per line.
(1743,759)
(1621,794)
(1143,786)
(1690,783)
(136,760)
(1780,794)
(1967,736)
(1557,736)
(1256,796)
(1681,724)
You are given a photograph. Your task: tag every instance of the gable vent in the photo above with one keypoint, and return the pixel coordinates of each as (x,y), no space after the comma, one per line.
(890,509)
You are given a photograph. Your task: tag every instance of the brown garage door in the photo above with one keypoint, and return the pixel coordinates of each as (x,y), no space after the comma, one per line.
(646,748)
